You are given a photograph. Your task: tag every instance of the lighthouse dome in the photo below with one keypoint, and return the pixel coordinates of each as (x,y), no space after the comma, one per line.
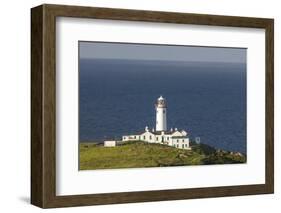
(161,98)
(161,102)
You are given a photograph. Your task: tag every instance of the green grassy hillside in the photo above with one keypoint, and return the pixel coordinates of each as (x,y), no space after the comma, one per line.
(140,154)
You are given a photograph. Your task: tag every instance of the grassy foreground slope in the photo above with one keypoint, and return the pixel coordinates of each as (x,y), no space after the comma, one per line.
(140,154)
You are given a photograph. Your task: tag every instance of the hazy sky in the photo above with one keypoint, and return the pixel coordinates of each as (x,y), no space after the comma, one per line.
(106,50)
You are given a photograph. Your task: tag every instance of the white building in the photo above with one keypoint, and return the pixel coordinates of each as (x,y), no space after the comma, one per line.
(173,137)
(110,143)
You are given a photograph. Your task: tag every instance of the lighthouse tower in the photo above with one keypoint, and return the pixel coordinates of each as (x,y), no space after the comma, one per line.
(161,113)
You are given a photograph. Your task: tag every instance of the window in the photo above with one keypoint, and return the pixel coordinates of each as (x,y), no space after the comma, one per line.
(164,111)
(167,138)
(177,141)
(134,137)
(150,137)
(143,137)
(177,146)
(182,146)
(182,140)
(157,138)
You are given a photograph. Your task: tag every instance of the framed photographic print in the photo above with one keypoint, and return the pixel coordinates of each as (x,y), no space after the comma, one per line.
(137,106)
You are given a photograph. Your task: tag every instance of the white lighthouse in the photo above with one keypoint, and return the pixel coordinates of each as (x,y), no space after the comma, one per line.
(175,137)
(161,114)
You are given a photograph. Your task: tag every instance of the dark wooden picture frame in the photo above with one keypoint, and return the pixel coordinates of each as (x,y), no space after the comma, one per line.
(43,105)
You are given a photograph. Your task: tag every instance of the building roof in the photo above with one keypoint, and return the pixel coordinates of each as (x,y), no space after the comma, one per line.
(161,98)
(165,132)
(159,133)
(178,137)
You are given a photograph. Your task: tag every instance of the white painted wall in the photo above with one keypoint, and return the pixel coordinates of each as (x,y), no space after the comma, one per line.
(148,136)
(15,105)
(109,143)
(130,138)
(180,143)
(161,119)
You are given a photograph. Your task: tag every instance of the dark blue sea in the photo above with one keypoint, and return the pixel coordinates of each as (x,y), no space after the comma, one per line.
(116,97)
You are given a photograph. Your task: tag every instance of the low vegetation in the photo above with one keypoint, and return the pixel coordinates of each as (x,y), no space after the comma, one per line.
(141,154)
